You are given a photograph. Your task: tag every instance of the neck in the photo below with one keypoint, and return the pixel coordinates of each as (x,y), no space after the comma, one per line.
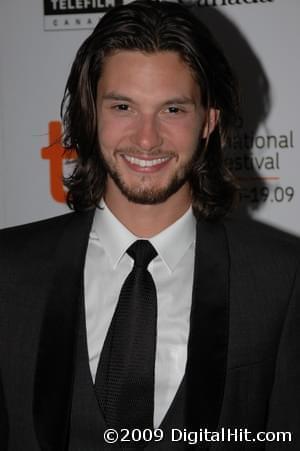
(149,220)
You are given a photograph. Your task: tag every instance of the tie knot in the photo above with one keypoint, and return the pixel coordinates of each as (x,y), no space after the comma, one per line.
(142,253)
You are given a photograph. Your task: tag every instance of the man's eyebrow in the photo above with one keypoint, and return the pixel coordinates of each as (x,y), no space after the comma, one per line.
(116,96)
(182,100)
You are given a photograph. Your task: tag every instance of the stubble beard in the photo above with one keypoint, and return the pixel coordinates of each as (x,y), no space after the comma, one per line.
(150,195)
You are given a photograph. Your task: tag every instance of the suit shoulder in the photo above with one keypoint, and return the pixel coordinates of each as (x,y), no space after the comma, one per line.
(39,236)
(262,241)
(35,228)
(31,251)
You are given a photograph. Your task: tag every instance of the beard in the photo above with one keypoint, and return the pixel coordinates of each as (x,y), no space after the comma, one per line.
(150,195)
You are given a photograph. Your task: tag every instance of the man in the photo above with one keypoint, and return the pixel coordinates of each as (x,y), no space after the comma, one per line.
(201,336)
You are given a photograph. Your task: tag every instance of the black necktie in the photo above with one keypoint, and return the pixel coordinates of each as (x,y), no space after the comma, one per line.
(125,377)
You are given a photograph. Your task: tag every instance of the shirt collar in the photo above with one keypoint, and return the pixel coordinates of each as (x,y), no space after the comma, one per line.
(114,237)
(171,244)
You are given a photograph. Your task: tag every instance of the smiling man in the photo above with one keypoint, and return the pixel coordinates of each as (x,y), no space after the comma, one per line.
(145,316)
(146,133)
(149,131)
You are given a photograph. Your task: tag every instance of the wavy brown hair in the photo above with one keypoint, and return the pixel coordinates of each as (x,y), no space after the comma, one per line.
(151,26)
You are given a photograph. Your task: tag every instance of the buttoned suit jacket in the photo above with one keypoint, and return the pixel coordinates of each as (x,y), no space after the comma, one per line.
(243,365)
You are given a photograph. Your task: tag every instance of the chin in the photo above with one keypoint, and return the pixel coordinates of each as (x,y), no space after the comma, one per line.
(151,196)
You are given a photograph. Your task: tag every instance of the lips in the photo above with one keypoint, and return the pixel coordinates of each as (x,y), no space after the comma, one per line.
(146,164)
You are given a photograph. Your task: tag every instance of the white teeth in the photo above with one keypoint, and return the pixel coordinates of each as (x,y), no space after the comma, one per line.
(145,163)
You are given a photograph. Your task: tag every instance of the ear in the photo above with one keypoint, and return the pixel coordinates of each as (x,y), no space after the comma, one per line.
(212,118)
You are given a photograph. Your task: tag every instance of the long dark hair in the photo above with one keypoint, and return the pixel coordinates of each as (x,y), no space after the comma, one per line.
(151,26)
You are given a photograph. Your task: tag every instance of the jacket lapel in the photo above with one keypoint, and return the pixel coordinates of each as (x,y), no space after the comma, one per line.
(55,361)
(209,326)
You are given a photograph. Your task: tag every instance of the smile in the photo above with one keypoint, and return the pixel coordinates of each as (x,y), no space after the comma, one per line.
(145,163)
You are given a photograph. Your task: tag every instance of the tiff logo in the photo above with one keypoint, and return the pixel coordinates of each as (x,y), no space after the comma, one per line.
(57,156)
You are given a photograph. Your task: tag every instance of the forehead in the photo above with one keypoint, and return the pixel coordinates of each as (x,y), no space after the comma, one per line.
(153,74)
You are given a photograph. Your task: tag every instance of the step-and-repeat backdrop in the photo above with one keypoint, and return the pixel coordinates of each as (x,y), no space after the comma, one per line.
(38,41)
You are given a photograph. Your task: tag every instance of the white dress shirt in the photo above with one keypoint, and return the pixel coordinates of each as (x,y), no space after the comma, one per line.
(107,266)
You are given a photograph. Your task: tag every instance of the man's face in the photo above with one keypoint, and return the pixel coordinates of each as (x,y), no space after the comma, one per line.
(150,122)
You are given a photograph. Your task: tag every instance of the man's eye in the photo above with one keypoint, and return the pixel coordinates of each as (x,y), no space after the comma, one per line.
(121,107)
(174,109)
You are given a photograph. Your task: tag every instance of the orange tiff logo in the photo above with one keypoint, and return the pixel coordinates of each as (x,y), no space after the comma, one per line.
(56,154)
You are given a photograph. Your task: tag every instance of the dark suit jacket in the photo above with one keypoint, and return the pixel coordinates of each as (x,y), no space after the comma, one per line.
(243,367)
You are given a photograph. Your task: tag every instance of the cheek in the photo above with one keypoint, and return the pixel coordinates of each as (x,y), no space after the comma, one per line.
(185,138)
(111,132)
(107,134)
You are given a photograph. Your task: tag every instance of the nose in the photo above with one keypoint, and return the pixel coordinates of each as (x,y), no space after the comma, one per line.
(147,134)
